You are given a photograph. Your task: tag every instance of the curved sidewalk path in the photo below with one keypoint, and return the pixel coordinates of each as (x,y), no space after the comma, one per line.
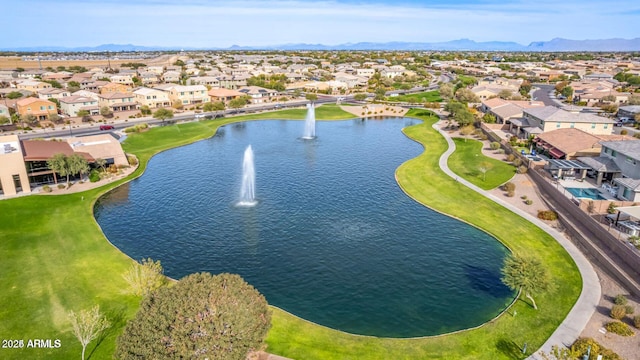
(583,309)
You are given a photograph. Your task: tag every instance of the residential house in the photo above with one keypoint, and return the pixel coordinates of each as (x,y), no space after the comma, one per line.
(210,81)
(186,95)
(153,98)
(366,72)
(629,111)
(33,85)
(542,119)
(572,143)
(171,76)
(53,93)
(122,79)
(258,94)
(232,82)
(58,76)
(93,85)
(624,167)
(148,78)
(70,105)
(505,110)
(393,71)
(39,108)
(118,101)
(224,95)
(86,93)
(13,174)
(111,87)
(31,74)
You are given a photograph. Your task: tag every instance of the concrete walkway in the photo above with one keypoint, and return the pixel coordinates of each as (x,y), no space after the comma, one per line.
(579,316)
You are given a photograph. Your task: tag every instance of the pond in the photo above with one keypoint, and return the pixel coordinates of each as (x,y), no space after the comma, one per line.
(332,239)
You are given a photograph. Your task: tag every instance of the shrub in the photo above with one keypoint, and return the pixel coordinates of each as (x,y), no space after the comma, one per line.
(500,151)
(528,202)
(483,136)
(620,299)
(628,309)
(636,321)
(623,132)
(477,132)
(517,161)
(509,186)
(47,189)
(61,186)
(620,328)
(523,197)
(547,215)
(582,345)
(494,145)
(132,159)
(617,312)
(612,208)
(94,176)
(510,157)
(511,193)
(522,169)
(591,207)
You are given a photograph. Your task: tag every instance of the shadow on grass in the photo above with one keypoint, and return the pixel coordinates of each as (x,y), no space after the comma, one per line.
(510,349)
(117,317)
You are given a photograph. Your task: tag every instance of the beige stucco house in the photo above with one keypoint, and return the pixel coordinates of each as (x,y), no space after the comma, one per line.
(13,173)
(152,98)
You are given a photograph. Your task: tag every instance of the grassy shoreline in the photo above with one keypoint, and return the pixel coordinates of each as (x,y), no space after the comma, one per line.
(55,259)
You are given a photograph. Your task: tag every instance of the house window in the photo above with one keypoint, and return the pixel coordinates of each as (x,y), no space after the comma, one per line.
(185,101)
(41,107)
(606,126)
(593,125)
(572,125)
(613,153)
(627,193)
(557,124)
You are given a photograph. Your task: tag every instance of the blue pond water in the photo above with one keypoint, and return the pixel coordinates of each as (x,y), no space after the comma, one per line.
(332,239)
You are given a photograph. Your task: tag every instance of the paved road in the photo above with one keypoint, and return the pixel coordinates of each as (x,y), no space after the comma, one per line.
(542,94)
(583,309)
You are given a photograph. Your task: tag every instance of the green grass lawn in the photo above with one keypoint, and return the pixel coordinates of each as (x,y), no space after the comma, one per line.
(468,161)
(56,259)
(422,97)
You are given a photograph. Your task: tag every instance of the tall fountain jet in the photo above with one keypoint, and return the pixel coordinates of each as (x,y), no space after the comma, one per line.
(248,188)
(310,123)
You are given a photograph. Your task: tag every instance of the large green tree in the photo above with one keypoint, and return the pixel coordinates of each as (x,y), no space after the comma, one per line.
(525,274)
(68,165)
(163,114)
(201,316)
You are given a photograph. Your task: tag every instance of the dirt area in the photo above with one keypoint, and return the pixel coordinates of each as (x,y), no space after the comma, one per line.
(374,110)
(13,62)
(627,347)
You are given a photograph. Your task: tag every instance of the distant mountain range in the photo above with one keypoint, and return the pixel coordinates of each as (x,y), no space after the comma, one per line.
(556,44)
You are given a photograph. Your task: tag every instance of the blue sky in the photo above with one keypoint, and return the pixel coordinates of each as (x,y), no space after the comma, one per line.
(222,23)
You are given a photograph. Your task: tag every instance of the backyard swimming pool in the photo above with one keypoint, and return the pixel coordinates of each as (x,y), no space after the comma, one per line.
(588,193)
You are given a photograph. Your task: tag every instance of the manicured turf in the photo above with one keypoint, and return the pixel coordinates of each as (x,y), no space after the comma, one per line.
(422,97)
(467,161)
(55,259)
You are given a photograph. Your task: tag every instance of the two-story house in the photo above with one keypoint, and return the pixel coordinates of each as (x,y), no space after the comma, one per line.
(625,155)
(53,93)
(258,94)
(542,119)
(70,105)
(118,101)
(39,108)
(152,98)
(186,95)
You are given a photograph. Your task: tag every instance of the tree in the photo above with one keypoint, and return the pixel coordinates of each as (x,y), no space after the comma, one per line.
(360,96)
(145,277)
(101,163)
(4,120)
(54,83)
(446,91)
(87,325)
(525,274)
(163,114)
(14,95)
(609,98)
(106,111)
(145,110)
(311,97)
(54,117)
(201,316)
(467,96)
(238,102)
(489,118)
(380,93)
(567,92)
(505,94)
(82,113)
(213,106)
(78,165)
(484,168)
(29,119)
(525,88)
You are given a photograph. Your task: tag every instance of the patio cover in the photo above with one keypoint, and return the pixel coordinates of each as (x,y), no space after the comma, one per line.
(633,211)
(556,153)
(601,164)
(567,165)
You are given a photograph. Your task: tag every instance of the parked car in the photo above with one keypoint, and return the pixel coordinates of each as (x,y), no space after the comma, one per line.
(106,127)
